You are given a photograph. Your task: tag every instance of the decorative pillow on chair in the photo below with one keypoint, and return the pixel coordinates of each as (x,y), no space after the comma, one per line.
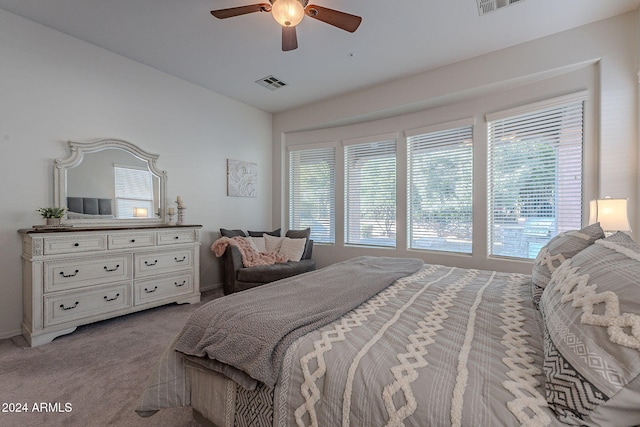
(272,243)
(559,249)
(232,233)
(275,233)
(258,243)
(591,312)
(299,234)
(293,249)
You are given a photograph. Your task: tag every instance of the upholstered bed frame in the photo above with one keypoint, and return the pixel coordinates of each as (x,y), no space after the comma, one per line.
(89,205)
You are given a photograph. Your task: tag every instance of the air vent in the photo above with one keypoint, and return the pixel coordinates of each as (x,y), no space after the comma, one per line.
(271,82)
(486,6)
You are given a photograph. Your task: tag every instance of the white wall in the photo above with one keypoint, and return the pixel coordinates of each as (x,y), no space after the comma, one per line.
(55,88)
(601,58)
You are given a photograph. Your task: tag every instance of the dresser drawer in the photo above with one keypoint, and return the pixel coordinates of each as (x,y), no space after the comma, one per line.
(75,244)
(69,306)
(163,287)
(149,264)
(132,240)
(83,272)
(177,236)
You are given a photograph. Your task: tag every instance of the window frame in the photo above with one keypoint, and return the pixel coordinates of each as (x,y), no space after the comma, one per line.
(452,127)
(291,221)
(533,109)
(348,144)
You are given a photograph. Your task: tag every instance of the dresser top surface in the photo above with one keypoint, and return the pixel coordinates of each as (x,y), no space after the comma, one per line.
(44,230)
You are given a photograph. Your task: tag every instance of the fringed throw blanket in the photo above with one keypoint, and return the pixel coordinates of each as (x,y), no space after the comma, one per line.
(250,257)
(251,331)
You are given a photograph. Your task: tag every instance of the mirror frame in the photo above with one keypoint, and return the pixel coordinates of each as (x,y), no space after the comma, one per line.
(78,150)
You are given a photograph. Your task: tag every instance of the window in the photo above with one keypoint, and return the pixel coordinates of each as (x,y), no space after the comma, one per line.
(370,193)
(535,175)
(134,192)
(312,178)
(440,189)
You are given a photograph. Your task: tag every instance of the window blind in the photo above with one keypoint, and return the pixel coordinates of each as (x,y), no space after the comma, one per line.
(133,189)
(312,178)
(370,193)
(535,178)
(440,190)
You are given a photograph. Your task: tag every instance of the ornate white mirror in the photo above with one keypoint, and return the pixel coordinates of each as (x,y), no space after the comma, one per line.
(110,182)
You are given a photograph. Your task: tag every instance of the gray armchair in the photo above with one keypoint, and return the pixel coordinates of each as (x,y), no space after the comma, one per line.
(238,278)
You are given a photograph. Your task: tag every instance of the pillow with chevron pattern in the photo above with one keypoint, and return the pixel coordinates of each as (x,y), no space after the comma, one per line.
(559,249)
(591,313)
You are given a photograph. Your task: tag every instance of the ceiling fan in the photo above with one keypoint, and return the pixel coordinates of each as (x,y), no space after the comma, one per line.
(289,13)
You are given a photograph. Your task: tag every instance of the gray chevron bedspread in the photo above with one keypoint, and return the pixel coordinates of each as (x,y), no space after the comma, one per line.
(441,347)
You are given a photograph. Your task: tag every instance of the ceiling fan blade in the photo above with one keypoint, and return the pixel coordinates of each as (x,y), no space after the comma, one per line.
(342,20)
(289,39)
(241,10)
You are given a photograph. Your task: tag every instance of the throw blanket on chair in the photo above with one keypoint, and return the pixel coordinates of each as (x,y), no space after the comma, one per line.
(250,257)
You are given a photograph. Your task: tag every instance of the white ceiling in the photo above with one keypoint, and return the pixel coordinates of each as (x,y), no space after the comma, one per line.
(395,39)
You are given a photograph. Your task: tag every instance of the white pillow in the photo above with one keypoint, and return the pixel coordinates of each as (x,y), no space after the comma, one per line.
(258,244)
(293,249)
(272,243)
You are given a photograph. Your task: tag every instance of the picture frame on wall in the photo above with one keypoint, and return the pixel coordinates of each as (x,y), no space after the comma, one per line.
(242,178)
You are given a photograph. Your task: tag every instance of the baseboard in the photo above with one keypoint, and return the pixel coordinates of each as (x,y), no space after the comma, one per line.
(211,287)
(10,334)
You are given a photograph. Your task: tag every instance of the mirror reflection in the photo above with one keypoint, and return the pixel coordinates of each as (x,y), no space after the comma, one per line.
(112,183)
(109,182)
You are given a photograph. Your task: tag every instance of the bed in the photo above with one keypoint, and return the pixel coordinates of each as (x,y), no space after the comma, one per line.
(89,208)
(435,346)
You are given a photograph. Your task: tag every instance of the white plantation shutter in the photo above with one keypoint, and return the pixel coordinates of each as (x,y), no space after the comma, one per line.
(440,189)
(312,177)
(535,176)
(370,193)
(134,189)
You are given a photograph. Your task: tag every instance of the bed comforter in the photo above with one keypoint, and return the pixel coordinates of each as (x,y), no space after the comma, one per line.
(442,346)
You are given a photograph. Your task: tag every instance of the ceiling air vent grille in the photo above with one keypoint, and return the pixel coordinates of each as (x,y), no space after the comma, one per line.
(271,82)
(486,6)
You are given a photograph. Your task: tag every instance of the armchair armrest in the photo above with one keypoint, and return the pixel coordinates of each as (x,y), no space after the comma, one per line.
(308,250)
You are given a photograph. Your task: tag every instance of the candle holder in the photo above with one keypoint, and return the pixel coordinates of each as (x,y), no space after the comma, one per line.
(171,215)
(180,215)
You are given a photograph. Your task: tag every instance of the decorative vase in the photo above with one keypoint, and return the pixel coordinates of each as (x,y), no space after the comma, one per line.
(53,221)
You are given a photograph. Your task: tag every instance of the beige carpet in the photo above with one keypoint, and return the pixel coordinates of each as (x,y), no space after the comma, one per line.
(94,376)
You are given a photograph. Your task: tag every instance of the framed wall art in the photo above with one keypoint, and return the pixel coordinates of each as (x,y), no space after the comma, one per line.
(242,178)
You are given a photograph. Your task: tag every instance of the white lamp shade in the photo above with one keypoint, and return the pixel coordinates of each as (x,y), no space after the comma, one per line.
(610,213)
(140,212)
(288,13)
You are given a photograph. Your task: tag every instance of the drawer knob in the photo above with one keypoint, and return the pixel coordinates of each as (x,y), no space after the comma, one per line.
(184,282)
(150,264)
(69,275)
(70,307)
(177,237)
(112,269)
(133,240)
(76,244)
(106,298)
(180,260)
(155,288)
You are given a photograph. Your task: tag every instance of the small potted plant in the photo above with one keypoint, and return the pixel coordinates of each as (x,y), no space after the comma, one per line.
(52,215)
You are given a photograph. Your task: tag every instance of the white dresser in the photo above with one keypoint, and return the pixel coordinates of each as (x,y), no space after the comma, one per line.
(76,276)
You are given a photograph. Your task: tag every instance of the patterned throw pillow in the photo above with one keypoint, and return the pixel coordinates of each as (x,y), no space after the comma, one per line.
(559,249)
(591,312)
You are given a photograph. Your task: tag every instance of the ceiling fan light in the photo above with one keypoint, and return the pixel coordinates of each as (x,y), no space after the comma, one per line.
(287,13)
